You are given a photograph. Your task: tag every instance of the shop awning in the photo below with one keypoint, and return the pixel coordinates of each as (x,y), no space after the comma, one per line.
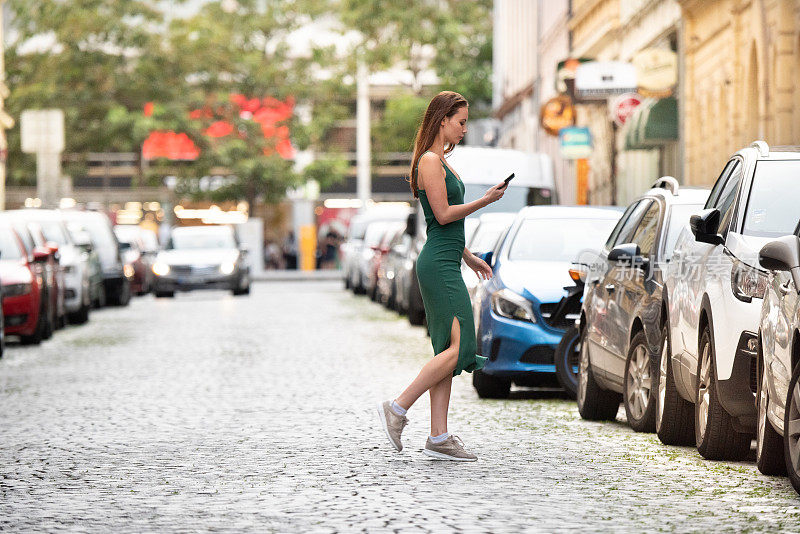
(654,123)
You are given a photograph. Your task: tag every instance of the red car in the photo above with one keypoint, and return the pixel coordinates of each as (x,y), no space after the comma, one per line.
(23,305)
(54,275)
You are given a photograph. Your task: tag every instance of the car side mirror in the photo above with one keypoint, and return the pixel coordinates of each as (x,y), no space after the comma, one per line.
(705,227)
(783,254)
(486,256)
(628,253)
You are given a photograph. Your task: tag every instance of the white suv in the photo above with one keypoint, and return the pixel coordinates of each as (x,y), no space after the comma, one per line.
(714,287)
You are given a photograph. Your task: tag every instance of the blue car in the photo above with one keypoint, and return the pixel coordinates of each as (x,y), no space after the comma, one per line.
(530,265)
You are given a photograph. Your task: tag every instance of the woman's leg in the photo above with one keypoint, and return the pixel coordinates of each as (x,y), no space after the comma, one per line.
(435,371)
(440,402)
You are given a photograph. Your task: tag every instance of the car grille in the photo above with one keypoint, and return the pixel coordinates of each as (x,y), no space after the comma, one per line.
(546,310)
(541,354)
(194,270)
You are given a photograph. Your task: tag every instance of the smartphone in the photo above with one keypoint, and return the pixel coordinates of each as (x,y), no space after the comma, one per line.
(510,176)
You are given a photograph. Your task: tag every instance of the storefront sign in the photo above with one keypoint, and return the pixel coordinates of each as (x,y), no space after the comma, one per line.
(557,113)
(565,73)
(576,143)
(599,80)
(656,72)
(623,106)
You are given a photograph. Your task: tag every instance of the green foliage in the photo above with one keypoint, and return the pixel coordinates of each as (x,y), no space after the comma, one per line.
(326,171)
(396,130)
(101,61)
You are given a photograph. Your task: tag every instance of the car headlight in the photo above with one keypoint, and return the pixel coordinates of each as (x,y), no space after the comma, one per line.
(15,290)
(227,268)
(508,304)
(160,269)
(748,283)
(128,270)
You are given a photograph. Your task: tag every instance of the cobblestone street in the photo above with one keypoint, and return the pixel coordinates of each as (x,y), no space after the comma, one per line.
(214,412)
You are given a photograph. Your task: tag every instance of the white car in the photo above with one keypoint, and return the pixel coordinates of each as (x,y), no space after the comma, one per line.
(356,255)
(714,286)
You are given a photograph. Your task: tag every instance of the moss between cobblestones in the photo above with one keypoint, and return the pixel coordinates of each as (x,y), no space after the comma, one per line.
(91,341)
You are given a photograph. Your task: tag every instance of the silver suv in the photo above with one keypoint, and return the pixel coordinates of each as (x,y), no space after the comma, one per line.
(715,284)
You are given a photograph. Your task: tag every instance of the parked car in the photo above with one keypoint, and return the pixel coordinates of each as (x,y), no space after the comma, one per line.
(515,306)
(364,233)
(94,270)
(714,289)
(24,304)
(135,253)
(391,265)
(409,298)
(778,393)
(355,255)
(380,251)
(202,257)
(38,260)
(489,229)
(73,261)
(54,274)
(623,317)
(117,275)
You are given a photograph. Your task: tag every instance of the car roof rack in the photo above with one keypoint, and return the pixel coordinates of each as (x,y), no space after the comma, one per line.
(667,182)
(762,147)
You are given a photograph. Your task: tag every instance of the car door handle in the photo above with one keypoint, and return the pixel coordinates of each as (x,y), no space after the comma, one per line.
(610,287)
(784,288)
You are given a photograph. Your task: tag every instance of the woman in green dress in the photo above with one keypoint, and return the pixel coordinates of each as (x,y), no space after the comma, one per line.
(447,305)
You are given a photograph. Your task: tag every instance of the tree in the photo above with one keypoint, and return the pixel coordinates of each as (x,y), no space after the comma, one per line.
(453,37)
(107,59)
(92,56)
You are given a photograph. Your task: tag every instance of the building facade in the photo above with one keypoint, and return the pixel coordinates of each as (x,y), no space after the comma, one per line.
(741,65)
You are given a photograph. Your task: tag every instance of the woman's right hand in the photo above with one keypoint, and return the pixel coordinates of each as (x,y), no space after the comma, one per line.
(495,193)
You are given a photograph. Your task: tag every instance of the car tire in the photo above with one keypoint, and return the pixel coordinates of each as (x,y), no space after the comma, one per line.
(347,285)
(639,391)
(168,294)
(567,359)
(80,316)
(594,402)
(791,430)
(244,291)
(769,444)
(715,435)
(674,414)
(490,387)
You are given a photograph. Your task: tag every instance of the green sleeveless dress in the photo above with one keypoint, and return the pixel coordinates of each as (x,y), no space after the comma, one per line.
(441,284)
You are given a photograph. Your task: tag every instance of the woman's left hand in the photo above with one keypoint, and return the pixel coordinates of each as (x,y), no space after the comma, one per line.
(480,267)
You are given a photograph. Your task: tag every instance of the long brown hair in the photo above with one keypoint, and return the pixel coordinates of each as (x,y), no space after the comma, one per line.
(445,104)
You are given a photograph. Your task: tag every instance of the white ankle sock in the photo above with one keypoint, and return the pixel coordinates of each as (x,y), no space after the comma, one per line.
(396,408)
(436,440)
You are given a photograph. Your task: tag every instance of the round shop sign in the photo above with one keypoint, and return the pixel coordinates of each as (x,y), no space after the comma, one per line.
(656,72)
(557,113)
(623,106)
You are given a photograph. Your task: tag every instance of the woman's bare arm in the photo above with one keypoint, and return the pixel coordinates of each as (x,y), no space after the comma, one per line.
(432,173)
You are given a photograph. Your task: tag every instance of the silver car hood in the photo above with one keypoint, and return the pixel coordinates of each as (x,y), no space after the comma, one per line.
(205,256)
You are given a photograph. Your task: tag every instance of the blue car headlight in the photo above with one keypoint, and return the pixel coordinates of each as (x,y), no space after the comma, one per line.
(508,304)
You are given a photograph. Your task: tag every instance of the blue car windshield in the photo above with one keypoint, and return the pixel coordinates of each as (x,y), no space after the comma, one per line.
(558,239)
(772,207)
